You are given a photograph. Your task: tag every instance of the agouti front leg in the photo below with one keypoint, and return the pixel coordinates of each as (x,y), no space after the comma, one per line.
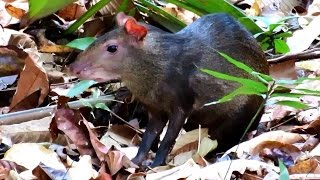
(176,121)
(154,128)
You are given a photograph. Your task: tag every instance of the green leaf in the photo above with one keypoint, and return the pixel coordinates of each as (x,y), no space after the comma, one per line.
(265,46)
(243,90)
(294,104)
(93,10)
(81,43)
(162,17)
(218,6)
(257,86)
(237,63)
(80,87)
(102,106)
(39,9)
(295,95)
(272,27)
(86,103)
(284,174)
(283,35)
(281,46)
(263,77)
(309,91)
(124,5)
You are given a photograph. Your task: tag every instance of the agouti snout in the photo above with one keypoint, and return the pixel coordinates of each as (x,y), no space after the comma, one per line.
(162,71)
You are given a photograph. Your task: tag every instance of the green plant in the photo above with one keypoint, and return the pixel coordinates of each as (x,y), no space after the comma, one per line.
(260,86)
(272,37)
(265,86)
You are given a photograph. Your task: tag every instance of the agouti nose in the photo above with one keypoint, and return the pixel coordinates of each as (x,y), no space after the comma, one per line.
(74,68)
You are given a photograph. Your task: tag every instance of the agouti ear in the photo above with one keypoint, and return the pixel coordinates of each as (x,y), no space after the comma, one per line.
(134,29)
(121,19)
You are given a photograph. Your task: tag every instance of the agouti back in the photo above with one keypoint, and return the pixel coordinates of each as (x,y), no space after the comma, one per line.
(162,71)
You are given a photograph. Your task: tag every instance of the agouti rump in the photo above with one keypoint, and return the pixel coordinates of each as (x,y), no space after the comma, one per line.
(161,70)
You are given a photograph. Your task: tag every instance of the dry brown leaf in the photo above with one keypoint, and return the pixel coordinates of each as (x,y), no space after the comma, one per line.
(100,149)
(104,176)
(289,149)
(31,131)
(71,12)
(117,160)
(304,167)
(32,78)
(30,155)
(279,136)
(224,169)
(189,141)
(14,11)
(54,49)
(68,121)
(122,134)
(11,60)
(310,143)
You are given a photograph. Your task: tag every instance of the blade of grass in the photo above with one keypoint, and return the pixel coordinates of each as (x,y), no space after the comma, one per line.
(93,10)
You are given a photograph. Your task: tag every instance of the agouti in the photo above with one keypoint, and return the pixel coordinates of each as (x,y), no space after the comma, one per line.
(162,71)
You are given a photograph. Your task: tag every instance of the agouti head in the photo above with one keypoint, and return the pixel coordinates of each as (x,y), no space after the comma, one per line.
(105,59)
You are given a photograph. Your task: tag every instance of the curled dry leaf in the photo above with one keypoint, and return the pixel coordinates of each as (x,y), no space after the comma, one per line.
(224,169)
(9,165)
(279,150)
(68,121)
(117,160)
(310,143)
(11,60)
(30,155)
(14,11)
(279,136)
(304,167)
(32,78)
(189,141)
(71,12)
(98,146)
(122,134)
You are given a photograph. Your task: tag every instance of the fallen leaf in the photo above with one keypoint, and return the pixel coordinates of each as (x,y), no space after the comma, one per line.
(68,121)
(304,167)
(11,60)
(32,78)
(305,36)
(117,160)
(14,11)
(279,136)
(189,141)
(71,12)
(29,155)
(82,169)
(224,169)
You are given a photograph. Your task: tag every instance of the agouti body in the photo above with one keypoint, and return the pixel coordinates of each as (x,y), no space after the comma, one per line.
(162,71)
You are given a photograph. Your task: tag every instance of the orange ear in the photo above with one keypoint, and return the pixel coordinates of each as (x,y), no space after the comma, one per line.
(134,29)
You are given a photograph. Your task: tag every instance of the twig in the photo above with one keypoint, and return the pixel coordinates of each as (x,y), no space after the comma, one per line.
(38,113)
(305,55)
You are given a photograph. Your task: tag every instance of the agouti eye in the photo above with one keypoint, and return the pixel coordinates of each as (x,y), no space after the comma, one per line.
(112,48)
